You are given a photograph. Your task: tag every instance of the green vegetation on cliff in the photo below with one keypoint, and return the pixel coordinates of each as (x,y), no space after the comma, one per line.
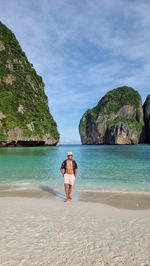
(118,113)
(23,103)
(112,102)
(117,98)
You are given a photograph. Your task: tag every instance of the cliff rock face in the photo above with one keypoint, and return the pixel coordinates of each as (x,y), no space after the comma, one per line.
(25,118)
(146,109)
(117,119)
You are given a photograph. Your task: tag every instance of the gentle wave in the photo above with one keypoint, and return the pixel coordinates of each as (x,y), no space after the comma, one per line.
(101,168)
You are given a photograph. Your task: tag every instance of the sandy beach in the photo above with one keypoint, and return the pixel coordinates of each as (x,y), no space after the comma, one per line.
(43,231)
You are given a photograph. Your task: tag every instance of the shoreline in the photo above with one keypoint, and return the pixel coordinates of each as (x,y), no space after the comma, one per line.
(138,200)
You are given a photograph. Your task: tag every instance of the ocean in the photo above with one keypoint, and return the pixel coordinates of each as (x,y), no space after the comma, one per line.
(100,167)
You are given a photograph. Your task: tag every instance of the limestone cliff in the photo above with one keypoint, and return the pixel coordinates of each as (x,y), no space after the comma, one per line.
(146,109)
(25,118)
(117,119)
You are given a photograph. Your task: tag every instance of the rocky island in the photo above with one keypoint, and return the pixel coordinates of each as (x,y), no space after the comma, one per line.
(116,119)
(25,119)
(146,109)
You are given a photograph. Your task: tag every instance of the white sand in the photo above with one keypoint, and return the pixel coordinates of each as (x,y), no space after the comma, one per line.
(39,231)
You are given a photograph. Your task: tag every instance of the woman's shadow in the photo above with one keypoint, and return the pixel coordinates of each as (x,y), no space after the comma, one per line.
(52,192)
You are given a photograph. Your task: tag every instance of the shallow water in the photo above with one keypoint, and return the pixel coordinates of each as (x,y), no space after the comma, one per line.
(101,167)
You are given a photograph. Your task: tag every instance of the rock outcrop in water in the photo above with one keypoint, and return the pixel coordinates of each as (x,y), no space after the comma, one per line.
(24,114)
(117,119)
(146,109)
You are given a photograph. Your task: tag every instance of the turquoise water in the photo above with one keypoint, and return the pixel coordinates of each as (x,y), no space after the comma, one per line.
(101,167)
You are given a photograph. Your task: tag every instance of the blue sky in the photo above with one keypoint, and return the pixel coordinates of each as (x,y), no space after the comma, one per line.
(82,49)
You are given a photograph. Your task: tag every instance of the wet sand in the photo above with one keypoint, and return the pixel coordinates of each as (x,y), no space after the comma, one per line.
(131,201)
(124,200)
